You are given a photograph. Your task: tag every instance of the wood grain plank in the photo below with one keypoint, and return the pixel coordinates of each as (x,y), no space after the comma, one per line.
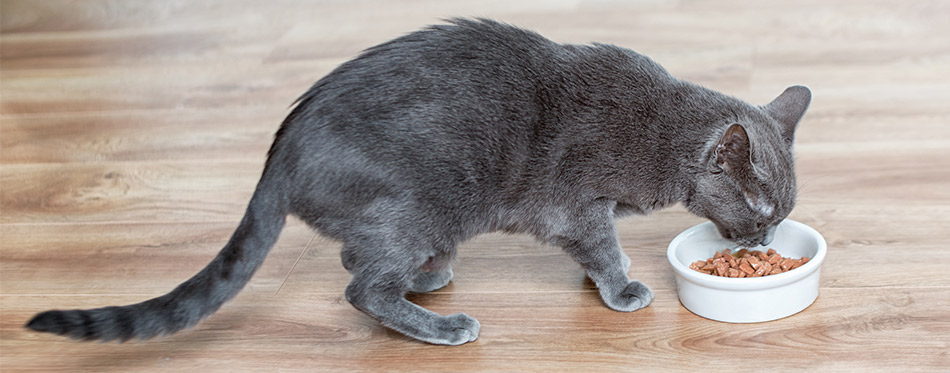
(231,134)
(912,173)
(143,192)
(179,85)
(147,259)
(537,331)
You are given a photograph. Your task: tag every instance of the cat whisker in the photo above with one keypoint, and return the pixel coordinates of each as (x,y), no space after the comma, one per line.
(803,188)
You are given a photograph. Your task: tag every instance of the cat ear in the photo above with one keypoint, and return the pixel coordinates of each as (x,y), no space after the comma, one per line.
(788,109)
(733,152)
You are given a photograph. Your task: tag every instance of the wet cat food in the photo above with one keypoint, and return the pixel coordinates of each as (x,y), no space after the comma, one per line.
(745,263)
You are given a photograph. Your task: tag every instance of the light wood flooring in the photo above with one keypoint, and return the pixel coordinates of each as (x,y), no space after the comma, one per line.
(133,133)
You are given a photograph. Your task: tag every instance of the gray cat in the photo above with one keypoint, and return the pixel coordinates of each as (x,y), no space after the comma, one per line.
(476,126)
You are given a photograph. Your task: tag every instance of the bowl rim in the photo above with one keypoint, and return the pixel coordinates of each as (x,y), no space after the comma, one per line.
(746,283)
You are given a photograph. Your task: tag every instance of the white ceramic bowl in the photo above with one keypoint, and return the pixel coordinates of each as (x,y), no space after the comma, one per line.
(751,299)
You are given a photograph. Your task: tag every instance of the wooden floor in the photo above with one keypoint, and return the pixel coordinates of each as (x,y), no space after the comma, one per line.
(133,134)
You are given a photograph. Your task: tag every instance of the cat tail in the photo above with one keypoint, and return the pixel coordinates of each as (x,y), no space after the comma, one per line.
(196,298)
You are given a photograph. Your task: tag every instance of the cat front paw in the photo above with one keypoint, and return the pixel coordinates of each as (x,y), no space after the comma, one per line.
(635,295)
(455,330)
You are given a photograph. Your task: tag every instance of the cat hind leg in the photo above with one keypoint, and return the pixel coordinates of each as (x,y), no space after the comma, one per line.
(426,281)
(378,289)
(433,275)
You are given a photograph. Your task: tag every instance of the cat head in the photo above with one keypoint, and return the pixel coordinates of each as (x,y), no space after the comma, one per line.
(746,183)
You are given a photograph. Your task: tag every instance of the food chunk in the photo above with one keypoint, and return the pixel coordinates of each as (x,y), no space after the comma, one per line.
(745,263)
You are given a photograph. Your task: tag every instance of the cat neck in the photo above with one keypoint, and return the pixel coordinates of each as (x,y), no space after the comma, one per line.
(647,148)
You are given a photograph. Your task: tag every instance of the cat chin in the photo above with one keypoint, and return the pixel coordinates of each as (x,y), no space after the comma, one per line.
(742,242)
(750,243)
(746,242)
